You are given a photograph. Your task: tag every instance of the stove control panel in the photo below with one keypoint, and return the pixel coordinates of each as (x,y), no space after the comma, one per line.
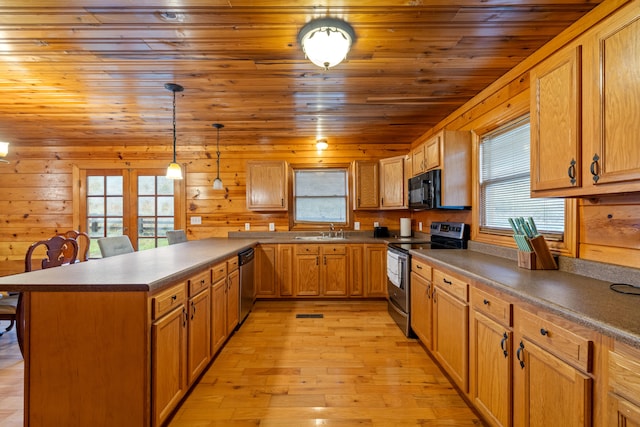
(453,230)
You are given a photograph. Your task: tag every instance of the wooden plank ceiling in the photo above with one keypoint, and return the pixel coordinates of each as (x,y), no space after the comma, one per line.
(82,72)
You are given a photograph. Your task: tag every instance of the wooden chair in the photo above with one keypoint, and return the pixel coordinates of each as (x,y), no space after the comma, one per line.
(8,309)
(116,245)
(84,242)
(58,250)
(176,236)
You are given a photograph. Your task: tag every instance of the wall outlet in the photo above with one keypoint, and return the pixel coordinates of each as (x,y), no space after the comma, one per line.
(196,220)
(420,226)
(356,225)
(247,226)
(272,226)
(376,224)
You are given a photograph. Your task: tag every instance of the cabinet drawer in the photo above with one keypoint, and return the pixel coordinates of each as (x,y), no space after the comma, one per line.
(232,264)
(334,249)
(451,285)
(219,272)
(421,268)
(199,282)
(167,300)
(624,373)
(567,345)
(307,249)
(492,306)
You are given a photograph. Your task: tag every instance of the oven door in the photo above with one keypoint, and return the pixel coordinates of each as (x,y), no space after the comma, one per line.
(398,278)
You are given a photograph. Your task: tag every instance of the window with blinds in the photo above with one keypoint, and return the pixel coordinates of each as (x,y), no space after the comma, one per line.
(320,196)
(505,183)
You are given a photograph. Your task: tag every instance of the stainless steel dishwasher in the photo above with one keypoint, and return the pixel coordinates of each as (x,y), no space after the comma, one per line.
(245,261)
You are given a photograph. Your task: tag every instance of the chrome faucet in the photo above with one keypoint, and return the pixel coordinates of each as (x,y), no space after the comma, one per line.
(331,230)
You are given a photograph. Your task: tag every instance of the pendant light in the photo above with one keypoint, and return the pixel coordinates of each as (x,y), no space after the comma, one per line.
(217,183)
(4,150)
(174,171)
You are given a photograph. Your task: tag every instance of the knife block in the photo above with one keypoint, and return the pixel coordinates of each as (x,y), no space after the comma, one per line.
(540,259)
(527,260)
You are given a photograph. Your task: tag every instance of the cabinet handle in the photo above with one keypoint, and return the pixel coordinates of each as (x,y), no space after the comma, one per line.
(317,260)
(184,317)
(193,310)
(595,168)
(448,282)
(428,291)
(434,295)
(485,301)
(503,342)
(325,260)
(543,331)
(418,267)
(382,201)
(518,353)
(174,297)
(202,282)
(572,172)
(282,202)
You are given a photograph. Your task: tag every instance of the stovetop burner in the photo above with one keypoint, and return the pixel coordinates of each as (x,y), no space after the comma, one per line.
(444,235)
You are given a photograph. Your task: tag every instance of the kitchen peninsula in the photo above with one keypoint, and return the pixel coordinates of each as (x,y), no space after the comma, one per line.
(103,335)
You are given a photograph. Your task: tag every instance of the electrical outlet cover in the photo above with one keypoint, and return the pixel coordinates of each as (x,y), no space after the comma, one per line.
(196,220)
(356,225)
(376,224)
(247,226)
(272,226)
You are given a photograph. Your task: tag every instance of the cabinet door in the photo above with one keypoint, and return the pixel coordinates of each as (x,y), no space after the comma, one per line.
(218,314)
(451,320)
(556,121)
(366,191)
(285,270)
(356,270)
(375,278)
(307,273)
(548,389)
(421,309)
(267,185)
(392,183)
(199,327)
(265,265)
(432,152)
(334,277)
(417,160)
(491,364)
(622,413)
(614,64)
(169,363)
(233,301)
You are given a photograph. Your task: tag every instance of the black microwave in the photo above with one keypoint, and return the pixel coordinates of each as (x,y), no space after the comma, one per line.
(424,191)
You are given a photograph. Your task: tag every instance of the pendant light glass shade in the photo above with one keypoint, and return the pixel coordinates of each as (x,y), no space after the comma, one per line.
(326,41)
(174,171)
(217,183)
(4,150)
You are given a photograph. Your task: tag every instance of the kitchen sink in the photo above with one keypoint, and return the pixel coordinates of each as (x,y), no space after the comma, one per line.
(318,238)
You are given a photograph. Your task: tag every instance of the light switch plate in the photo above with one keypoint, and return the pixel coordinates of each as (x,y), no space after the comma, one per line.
(420,226)
(376,224)
(247,226)
(196,220)
(272,226)
(356,225)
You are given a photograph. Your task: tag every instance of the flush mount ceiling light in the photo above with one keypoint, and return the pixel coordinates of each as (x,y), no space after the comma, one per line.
(321,144)
(326,41)
(174,171)
(4,150)
(217,183)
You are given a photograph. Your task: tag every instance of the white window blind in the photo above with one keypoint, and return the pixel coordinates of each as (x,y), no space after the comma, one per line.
(320,196)
(505,183)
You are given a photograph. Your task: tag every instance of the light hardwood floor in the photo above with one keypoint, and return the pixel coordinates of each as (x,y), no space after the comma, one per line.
(353,367)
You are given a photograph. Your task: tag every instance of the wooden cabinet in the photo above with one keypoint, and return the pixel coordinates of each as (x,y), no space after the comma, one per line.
(583,118)
(198,324)
(267,185)
(451,325)
(218,315)
(491,356)
(366,184)
(356,270)
(393,183)
(421,302)
(551,380)
(168,351)
(623,406)
(233,301)
(321,270)
(427,155)
(375,270)
(265,271)
(284,275)
(225,305)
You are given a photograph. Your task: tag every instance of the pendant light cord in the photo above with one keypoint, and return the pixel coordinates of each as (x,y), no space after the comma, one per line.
(174,126)
(218,153)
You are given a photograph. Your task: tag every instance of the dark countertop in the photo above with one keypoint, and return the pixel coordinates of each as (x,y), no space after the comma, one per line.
(147,271)
(581,299)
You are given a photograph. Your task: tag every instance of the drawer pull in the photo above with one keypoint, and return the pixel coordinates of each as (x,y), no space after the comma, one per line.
(419,267)
(202,282)
(503,342)
(448,282)
(174,297)
(485,302)
(518,353)
(543,331)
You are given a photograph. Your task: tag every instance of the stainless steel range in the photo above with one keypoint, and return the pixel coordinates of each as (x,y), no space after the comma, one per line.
(444,235)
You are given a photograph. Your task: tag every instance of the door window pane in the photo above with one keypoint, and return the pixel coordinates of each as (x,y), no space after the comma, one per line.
(155,210)
(104,209)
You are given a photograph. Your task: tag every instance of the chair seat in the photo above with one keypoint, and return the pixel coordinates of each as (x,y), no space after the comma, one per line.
(116,245)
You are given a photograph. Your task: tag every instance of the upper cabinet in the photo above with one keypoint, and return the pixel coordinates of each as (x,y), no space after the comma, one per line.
(427,155)
(393,183)
(366,184)
(584,112)
(267,183)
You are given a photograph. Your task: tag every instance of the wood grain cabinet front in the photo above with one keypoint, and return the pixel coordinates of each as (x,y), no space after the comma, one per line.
(366,184)
(267,185)
(393,183)
(421,302)
(623,388)
(199,324)
(321,270)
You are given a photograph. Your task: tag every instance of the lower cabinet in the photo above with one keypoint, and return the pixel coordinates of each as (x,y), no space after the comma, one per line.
(284,275)
(623,388)
(199,324)
(218,315)
(356,270)
(375,270)
(233,301)
(320,270)
(421,302)
(451,326)
(265,271)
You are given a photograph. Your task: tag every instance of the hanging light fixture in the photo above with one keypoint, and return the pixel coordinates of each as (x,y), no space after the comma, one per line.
(4,150)
(217,183)
(326,41)
(174,171)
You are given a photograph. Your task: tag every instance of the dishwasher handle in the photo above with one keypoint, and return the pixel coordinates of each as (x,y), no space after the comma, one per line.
(246,256)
